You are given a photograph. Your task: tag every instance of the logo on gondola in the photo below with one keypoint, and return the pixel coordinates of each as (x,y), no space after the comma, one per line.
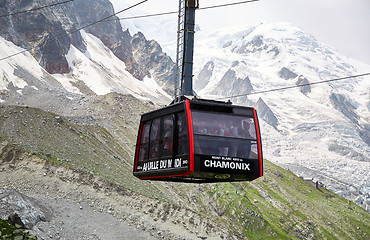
(163,164)
(227,164)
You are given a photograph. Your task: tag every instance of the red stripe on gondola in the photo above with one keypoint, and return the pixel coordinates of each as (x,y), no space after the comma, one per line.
(166,176)
(259,141)
(191,136)
(138,146)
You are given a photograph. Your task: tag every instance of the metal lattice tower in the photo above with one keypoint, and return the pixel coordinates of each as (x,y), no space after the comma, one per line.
(185,48)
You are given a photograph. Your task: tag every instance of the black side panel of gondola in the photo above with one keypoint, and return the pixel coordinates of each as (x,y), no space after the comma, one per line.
(211,106)
(158,163)
(243,111)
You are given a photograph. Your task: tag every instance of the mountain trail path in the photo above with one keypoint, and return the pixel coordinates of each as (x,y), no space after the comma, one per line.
(68,204)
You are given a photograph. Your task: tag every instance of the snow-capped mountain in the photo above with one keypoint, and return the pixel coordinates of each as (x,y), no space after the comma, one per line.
(96,60)
(97,70)
(317,131)
(102,72)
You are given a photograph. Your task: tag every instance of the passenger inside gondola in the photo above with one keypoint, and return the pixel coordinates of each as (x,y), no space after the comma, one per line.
(235,136)
(154,139)
(168,136)
(183,136)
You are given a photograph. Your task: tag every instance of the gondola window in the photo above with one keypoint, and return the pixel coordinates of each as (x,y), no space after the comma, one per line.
(154,139)
(224,135)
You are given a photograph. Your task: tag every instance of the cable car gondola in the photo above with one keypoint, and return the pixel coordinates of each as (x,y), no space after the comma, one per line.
(195,140)
(199,141)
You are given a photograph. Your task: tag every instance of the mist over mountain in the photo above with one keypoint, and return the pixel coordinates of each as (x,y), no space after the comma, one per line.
(72,103)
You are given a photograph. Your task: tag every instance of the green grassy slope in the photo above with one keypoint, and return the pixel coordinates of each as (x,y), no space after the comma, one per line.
(281,206)
(278,205)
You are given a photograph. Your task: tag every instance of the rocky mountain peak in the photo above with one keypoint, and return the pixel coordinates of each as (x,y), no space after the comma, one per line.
(49,33)
(41,31)
(149,53)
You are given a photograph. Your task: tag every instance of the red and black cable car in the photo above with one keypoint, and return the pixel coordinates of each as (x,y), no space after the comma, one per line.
(199,141)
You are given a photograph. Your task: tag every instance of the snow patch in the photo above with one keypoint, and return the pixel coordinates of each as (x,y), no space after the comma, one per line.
(23,60)
(102,72)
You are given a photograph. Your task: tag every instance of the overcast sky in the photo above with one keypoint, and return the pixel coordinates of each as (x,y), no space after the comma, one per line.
(341,24)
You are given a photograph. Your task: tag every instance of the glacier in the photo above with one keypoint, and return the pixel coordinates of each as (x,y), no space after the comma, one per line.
(314,137)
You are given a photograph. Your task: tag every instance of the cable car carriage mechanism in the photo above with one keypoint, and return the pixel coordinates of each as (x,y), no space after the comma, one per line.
(195,140)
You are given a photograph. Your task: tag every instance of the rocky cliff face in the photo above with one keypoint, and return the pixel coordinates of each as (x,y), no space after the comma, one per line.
(109,32)
(40,31)
(266,113)
(49,33)
(204,75)
(149,54)
(231,82)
